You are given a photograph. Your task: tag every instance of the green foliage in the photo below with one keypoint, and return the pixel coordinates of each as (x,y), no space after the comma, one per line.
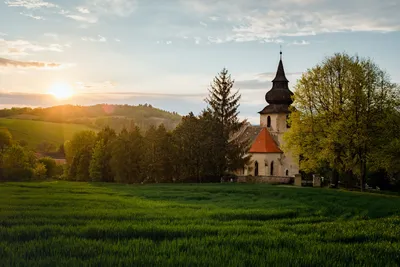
(197,225)
(127,157)
(97,162)
(5,138)
(340,106)
(223,107)
(78,153)
(52,170)
(16,163)
(40,171)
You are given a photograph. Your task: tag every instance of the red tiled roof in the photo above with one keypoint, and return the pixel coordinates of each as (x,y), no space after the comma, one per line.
(264,143)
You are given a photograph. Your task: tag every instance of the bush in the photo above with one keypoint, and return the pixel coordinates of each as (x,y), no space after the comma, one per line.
(51,167)
(40,172)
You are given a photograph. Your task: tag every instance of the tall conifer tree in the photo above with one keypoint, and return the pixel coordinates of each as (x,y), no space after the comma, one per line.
(223,106)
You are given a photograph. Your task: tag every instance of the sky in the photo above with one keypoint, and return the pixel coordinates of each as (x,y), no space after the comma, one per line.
(166,53)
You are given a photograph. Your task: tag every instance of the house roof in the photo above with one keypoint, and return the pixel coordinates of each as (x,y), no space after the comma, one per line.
(264,143)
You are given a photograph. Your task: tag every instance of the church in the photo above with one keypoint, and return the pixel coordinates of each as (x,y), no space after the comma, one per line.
(268,158)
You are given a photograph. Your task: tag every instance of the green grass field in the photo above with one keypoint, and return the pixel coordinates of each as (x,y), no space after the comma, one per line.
(35,132)
(82,224)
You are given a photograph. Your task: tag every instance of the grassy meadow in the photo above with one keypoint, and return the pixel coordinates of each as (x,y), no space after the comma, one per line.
(35,132)
(95,224)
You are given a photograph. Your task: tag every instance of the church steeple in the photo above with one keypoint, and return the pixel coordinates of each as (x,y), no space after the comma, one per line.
(279,97)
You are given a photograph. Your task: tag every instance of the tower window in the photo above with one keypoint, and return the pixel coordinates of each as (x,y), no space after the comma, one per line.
(287,172)
(269,121)
(272,168)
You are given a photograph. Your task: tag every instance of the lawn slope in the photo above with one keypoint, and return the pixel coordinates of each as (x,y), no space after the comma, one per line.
(35,132)
(82,224)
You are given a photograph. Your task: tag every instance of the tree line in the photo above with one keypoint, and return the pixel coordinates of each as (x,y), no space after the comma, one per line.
(201,148)
(345,123)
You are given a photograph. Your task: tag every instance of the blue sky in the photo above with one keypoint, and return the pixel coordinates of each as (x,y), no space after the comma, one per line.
(167,52)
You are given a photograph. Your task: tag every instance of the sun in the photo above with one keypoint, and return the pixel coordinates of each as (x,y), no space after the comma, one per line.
(61,91)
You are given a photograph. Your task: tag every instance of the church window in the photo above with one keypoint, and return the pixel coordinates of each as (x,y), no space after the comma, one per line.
(287,172)
(269,121)
(256,168)
(272,168)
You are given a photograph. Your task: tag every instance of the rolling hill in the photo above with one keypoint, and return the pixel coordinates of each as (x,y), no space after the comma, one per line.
(36,132)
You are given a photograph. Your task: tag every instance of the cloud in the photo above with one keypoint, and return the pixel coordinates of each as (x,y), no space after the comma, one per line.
(214,18)
(82,18)
(117,40)
(197,40)
(100,39)
(168,42)
(22,47)
(251,20)
(3,34)
(30,4)
(27,64)
(83,10)
(203,24)
(32,16)
(302,42)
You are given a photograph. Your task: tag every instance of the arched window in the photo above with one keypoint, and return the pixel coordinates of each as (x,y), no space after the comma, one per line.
(269,121)
(287,172)
(256,168)
(272,168)
(287,121)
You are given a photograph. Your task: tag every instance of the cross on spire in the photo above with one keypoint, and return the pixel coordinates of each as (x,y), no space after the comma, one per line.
(280,51)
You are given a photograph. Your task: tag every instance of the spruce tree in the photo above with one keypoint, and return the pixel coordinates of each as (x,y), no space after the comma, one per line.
(223,105)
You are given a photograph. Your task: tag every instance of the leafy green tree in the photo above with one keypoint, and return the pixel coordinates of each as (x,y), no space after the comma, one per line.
(16,163)
(51,167)
(40,171)
(338,104)
(79,154)
(127,157)
(98,161)
(5,138)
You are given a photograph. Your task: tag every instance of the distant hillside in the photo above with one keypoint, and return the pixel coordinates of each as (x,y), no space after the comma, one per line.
(98,116)
(38,132)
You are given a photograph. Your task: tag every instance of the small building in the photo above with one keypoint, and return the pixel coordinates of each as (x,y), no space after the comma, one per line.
(268,158)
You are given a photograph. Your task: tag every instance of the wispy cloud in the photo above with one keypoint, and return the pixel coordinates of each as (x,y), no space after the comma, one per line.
(272,20)
(32,16)
(23,47)
(88,19)
(83,10)
(27,64)
(30,4)
(203,24)
(302,42)
(117,40)
(3,34)
(99,38)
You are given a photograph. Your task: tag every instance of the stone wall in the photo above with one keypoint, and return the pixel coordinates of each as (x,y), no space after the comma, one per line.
(264,179)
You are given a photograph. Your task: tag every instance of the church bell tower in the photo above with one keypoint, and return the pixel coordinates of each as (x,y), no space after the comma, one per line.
(279,98)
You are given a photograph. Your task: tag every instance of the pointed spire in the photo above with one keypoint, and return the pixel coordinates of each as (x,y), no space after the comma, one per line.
(280,73)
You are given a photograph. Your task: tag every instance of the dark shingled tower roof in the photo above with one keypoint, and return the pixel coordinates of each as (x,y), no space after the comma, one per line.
(279,97)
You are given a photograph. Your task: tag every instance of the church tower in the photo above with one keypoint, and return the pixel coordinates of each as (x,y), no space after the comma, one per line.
(274,116)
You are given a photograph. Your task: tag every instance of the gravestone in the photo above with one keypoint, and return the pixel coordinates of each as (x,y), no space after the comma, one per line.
(316,180)
(297,179)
